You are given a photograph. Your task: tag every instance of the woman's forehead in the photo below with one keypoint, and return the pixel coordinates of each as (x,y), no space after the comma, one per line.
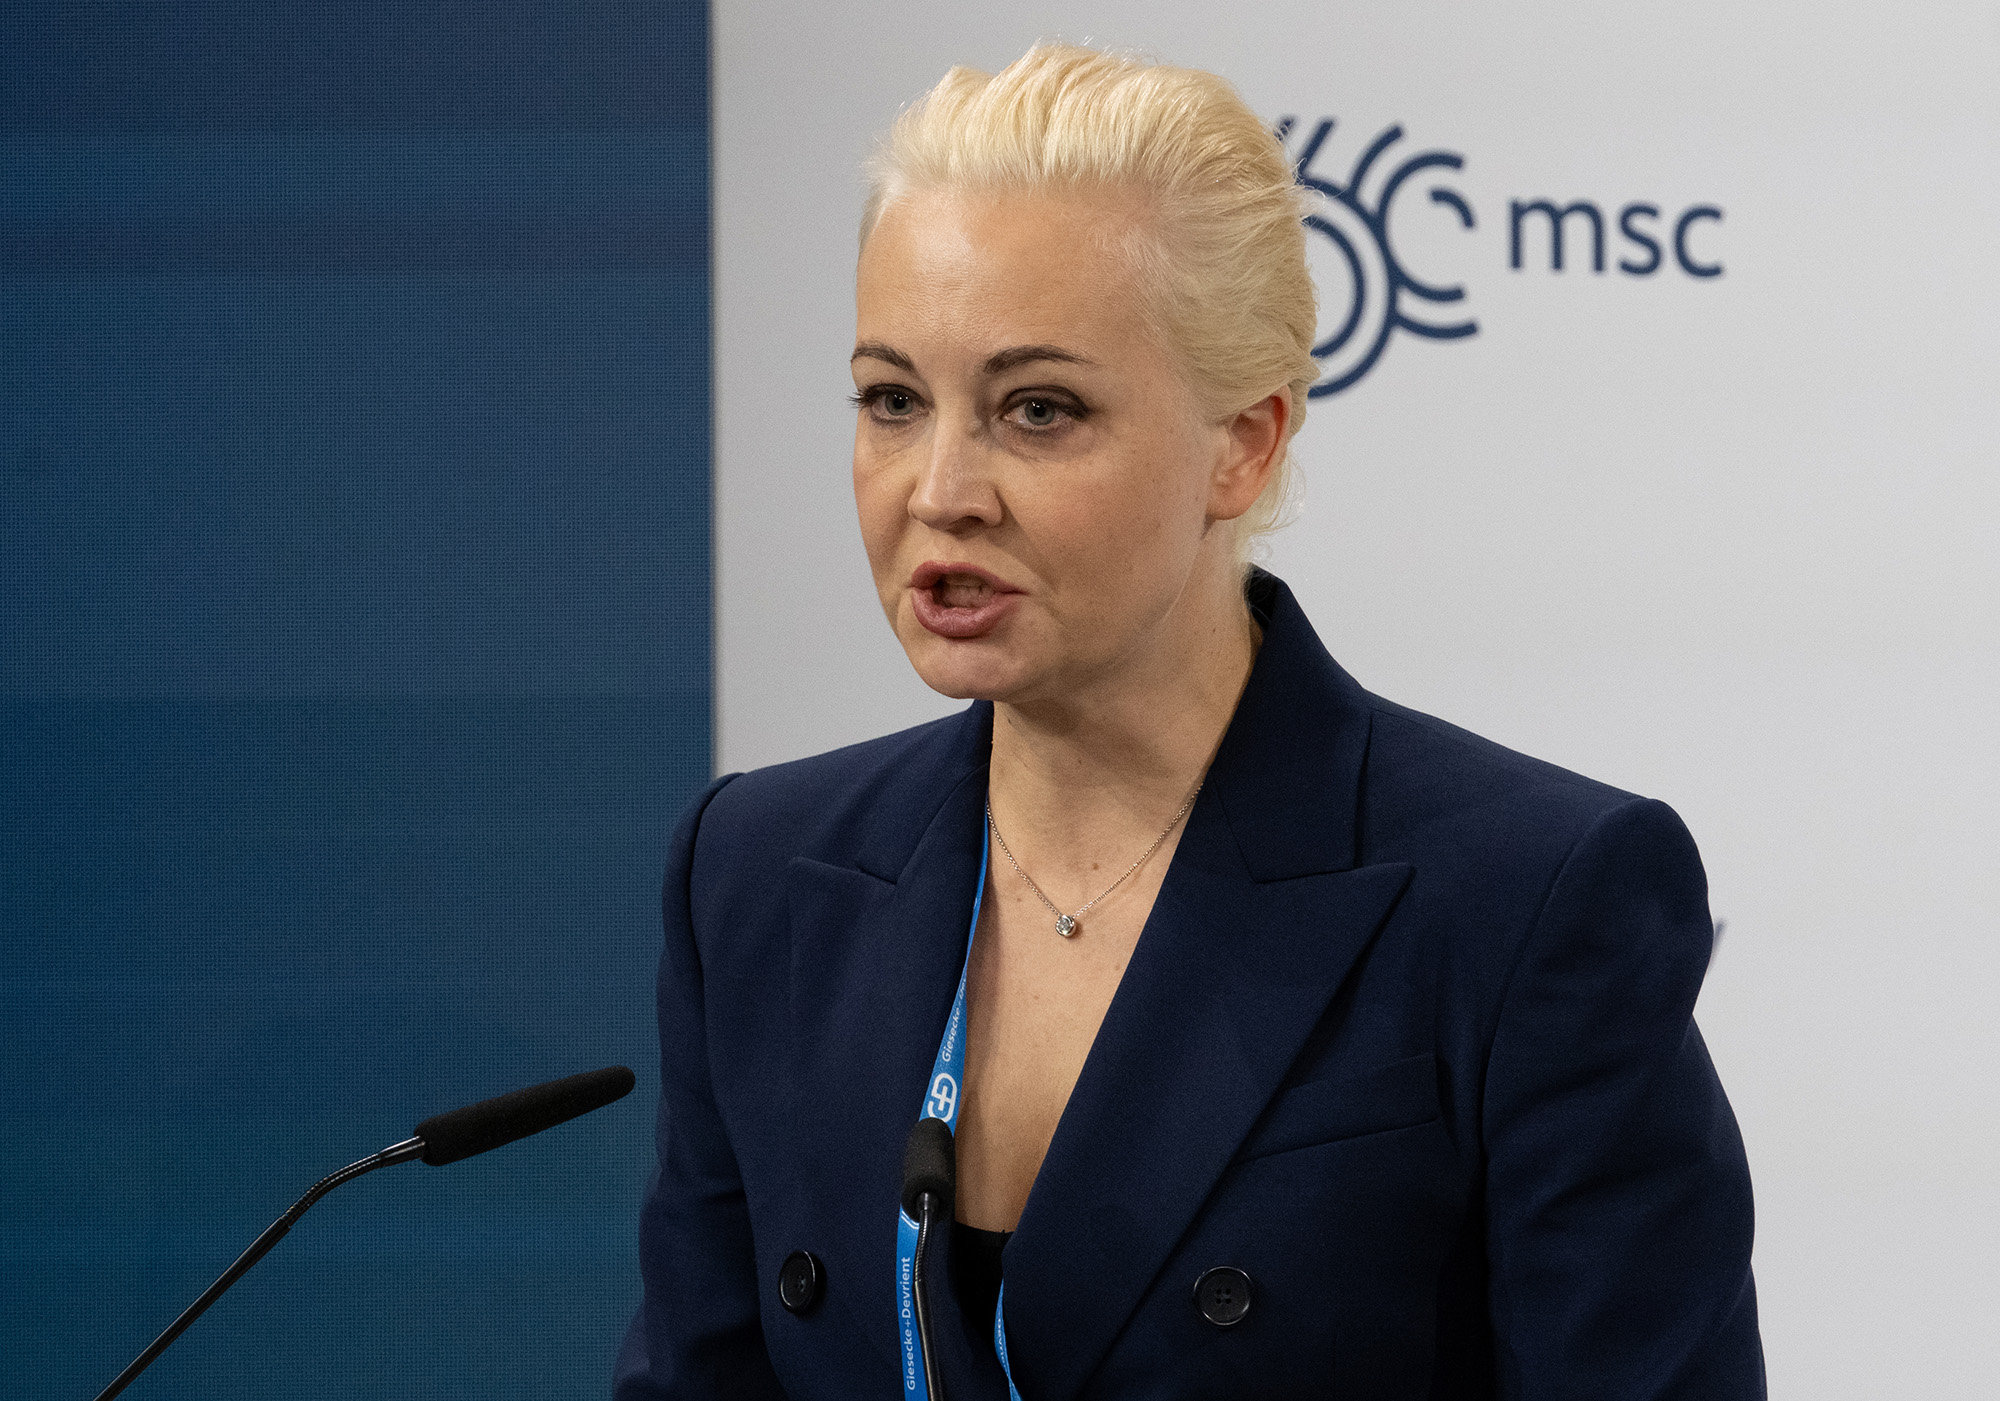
(986,272)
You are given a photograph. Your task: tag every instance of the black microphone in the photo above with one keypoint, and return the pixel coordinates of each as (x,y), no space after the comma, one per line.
(930,1175)
(493,1123)
(441,1139)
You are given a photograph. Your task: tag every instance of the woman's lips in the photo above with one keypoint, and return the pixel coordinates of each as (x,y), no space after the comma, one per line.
(960,600)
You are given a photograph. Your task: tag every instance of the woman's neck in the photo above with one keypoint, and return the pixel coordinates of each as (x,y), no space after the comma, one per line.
(1078,781)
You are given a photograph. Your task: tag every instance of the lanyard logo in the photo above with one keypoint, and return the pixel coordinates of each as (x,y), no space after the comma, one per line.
(943,1102)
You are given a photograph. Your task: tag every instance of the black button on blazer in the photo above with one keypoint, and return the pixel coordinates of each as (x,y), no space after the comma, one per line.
(1407,1043)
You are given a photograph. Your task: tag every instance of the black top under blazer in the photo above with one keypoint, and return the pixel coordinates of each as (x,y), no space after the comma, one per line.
(1408,1040)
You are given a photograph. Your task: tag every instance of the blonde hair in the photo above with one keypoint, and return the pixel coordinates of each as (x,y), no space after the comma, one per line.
(1222,260)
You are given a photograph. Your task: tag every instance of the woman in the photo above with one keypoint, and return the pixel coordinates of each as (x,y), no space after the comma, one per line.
(1304,1045)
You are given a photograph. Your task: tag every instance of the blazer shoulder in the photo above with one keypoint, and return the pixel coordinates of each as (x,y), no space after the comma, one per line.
(862,805)
(1504,844)
(1428,781)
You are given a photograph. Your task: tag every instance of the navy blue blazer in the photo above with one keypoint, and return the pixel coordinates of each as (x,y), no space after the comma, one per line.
(1408,1039)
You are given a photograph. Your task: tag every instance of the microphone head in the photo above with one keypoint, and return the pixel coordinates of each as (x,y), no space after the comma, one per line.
(489,1124)
(930,1164)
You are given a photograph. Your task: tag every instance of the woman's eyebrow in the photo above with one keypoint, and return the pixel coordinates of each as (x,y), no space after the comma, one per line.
(1026,354)
(888,354)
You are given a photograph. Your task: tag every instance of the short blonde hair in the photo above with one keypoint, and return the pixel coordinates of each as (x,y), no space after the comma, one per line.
(1223,259)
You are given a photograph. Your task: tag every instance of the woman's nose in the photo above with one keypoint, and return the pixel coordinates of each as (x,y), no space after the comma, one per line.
(953,491)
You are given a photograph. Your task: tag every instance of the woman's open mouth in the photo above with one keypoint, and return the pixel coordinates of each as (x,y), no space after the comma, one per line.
(960,600)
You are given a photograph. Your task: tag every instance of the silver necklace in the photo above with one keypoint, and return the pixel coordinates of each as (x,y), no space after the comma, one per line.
(1066,924)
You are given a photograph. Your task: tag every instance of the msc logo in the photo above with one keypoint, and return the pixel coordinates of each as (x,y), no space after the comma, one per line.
(1376,277)
(944,1097)
(1368,292)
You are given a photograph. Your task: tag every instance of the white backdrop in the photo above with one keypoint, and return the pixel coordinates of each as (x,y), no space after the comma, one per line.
(1732,541)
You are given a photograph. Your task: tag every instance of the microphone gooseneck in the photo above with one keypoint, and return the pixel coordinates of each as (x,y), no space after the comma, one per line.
(920,1286)
(402,1152)
(444,1138)
(930,1177)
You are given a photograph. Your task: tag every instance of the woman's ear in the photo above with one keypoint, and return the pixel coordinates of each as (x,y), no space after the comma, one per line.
(1254,446)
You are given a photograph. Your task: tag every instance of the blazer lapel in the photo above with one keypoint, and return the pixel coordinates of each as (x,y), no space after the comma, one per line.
(1228,982)
(1260,918)
(875,961)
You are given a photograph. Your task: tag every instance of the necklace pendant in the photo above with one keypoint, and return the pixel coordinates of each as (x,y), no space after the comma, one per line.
(1065,926)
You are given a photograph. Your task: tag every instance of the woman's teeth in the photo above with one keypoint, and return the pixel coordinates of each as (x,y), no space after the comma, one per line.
(960,591)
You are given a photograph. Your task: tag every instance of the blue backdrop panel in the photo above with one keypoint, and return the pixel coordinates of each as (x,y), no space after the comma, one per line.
(354,659)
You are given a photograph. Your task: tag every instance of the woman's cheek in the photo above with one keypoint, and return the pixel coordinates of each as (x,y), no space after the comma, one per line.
(882,514)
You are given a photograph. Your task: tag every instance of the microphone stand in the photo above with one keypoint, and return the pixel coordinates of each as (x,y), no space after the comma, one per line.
(930,1179)
(927,1203)
(440,1139)
(408,1149)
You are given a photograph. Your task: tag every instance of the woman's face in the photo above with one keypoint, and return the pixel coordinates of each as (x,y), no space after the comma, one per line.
(1039,495)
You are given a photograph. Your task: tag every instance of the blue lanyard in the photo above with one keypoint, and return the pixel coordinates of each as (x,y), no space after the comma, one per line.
(941,1102)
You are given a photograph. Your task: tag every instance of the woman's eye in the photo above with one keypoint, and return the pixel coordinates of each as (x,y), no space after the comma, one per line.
(885,401)
(1043,415)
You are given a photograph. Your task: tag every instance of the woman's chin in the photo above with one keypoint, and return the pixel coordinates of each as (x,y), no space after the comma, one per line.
(978,668)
